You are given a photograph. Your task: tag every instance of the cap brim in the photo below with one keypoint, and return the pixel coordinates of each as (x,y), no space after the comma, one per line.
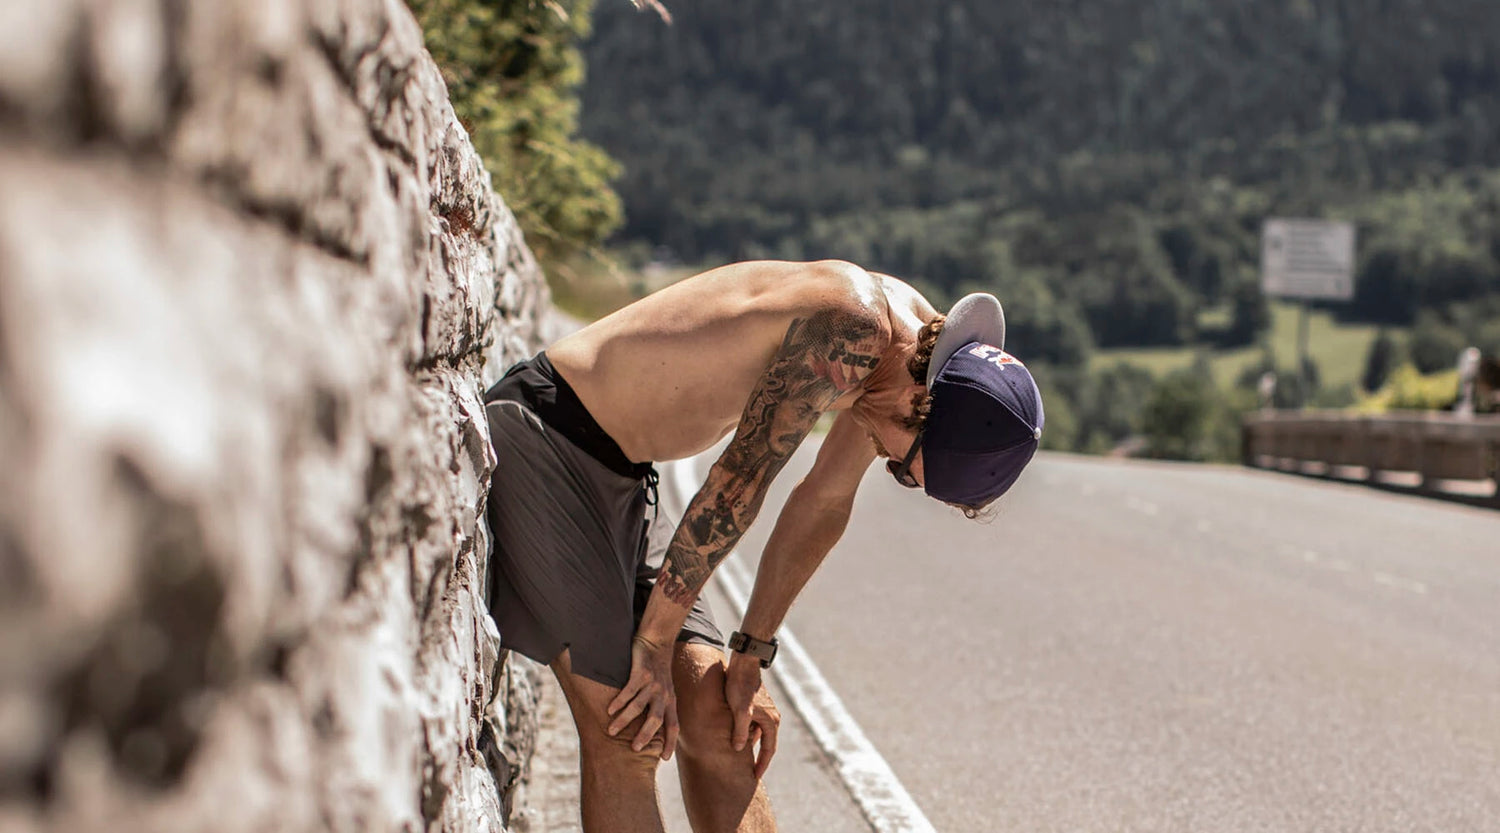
(946,480)
(977,317)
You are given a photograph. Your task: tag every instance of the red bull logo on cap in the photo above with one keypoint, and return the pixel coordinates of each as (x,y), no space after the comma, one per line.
(994,355)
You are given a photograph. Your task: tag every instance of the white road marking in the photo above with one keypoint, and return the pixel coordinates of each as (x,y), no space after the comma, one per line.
(1139,505)
(1400,583)
(887,805)
(1341,566)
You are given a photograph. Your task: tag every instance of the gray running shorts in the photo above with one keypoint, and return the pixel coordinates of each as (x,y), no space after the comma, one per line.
(574,555)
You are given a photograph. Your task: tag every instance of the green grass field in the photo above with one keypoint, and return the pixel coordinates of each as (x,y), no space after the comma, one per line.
(590,288)
(1338,349)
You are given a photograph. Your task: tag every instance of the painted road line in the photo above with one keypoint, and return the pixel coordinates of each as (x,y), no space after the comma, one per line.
(869,779)
(1400,583)
(886,804)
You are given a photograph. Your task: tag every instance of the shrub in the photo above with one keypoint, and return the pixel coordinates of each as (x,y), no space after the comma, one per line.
(1408,389)
(1187,418)
(1383,358)
(1435,344)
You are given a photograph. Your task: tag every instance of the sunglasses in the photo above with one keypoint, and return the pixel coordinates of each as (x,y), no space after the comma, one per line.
(902,473)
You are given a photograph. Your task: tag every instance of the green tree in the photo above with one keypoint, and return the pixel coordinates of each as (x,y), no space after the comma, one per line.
(1110,406)
(1250,313)
(1435,344)
(1487,338)
(1380,361)
(1187,418)
(513,69)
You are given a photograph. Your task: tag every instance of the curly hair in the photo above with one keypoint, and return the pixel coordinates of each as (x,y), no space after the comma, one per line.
(921,403)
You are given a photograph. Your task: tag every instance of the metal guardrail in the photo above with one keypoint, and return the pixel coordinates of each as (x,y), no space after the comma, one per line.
(1432,449)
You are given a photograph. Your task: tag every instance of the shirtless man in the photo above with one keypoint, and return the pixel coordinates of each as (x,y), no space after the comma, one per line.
(762,350)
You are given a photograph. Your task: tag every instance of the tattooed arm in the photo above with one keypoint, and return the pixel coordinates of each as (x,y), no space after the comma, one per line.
(812,521)
(823,356)
(814,518)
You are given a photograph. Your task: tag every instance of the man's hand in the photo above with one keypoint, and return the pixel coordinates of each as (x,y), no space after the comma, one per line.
(755,716)
(648,692)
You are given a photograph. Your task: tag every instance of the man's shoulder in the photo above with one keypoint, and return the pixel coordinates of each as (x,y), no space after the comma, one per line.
(842,290)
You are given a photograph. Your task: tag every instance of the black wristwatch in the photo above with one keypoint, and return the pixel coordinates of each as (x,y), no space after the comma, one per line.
(763,651)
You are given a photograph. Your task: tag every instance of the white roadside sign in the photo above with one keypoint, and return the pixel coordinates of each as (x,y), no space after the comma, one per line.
(1308,259)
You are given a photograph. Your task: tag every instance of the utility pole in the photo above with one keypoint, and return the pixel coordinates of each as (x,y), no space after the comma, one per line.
(1303,359)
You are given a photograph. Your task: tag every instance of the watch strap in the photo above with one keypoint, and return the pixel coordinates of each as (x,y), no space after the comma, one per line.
(765,651)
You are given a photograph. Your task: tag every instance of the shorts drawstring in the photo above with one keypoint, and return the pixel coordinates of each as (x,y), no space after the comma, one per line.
(653,495)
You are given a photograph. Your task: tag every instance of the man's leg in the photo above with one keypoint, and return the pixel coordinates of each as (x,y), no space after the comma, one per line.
(719,785)
(618,783)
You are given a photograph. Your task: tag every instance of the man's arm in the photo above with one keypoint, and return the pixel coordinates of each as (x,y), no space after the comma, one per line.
(813,520)
(823,356)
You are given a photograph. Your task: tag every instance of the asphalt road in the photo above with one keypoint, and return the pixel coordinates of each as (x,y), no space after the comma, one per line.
(1132,646)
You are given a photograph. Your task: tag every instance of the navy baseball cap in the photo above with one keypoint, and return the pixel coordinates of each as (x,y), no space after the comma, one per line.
(986,419)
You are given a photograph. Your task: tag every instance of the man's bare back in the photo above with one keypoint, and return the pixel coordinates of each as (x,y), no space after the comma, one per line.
(671,374)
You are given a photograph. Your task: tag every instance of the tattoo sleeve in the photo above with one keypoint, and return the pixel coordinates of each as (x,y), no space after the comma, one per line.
(822,357)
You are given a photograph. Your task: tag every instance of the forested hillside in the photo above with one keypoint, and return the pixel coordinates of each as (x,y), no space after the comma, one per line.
(1105,165)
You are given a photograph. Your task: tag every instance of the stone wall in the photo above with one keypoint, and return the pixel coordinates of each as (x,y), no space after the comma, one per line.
(251,271)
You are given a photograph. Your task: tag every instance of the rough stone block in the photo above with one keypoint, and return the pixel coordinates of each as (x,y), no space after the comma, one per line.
(252,282)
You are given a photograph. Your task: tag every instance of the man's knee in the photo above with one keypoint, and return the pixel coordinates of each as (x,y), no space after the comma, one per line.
(707,725)
(618,751)
(588,700)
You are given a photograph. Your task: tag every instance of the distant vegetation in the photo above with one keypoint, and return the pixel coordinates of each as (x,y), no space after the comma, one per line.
(1104,166)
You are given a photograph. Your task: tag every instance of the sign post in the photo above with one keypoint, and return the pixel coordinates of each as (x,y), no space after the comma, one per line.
(1307,260)
(1468,371)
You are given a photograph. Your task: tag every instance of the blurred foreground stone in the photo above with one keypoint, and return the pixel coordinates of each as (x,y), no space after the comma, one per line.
(251,272)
